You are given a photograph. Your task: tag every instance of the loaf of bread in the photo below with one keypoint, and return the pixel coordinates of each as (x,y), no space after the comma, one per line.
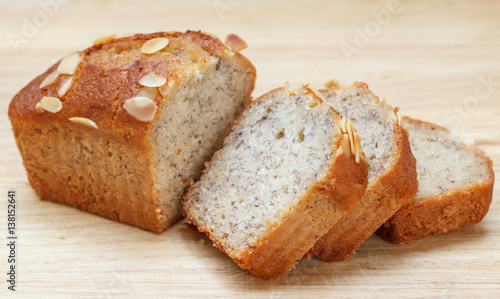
(119,129)
(455,185)
(287,172)
(392,177)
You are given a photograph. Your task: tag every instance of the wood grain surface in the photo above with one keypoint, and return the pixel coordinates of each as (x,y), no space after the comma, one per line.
(436,60)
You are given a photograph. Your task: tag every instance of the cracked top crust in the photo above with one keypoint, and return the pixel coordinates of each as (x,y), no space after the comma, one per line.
(108,75)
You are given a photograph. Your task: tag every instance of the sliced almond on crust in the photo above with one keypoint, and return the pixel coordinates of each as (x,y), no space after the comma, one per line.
(148,92)
(350,132)
(350,142)
(50,104)
(84,121)
(142,108)
(49,79)
(344,125)
(338,122)
(166,87)
(357,147)
(65,86)
(313,104)
(331,83)
(105,39)
(286,90)
(154,45)
(236,43)
(38,107)
(152,80)
(69,64)
(316,93)
(345,146)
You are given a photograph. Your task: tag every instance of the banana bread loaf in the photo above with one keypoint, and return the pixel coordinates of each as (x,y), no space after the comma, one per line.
(119,129)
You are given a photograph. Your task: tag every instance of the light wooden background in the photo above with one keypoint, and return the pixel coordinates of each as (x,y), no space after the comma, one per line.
(433,59)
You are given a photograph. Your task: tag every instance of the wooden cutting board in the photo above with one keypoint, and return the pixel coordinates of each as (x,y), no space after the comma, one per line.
(436,60)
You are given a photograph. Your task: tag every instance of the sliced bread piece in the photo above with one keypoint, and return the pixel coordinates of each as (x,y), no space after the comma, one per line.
(284,176)
(119,129)
(392,179)
(455,185)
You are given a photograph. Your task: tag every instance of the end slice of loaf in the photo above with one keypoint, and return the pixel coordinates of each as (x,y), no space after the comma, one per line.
(455,185)
(284,176)
(119,129)
(392,178)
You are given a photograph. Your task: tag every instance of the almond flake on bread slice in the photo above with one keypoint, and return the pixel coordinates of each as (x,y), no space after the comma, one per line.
(455,185)
(392,179)
(284,176)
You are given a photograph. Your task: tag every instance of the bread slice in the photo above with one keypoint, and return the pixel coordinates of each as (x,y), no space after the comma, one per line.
(455,185)
(119,129)
(284,176)
(392,179)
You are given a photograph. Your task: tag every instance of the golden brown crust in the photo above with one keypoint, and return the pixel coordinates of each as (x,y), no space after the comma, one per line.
(319,209)
(439,214)
(101,84)
(54,148)
(290,238)
(383,197)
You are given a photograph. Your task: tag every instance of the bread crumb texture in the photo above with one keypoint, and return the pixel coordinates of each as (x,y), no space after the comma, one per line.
(444,162)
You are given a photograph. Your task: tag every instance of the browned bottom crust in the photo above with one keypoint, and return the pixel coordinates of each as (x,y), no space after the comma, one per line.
(438,214)
(382,199)
(92,172)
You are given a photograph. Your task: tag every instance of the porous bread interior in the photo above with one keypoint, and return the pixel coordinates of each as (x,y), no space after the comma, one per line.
(199,114)
(443,162)
(373,120)
(278,149)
